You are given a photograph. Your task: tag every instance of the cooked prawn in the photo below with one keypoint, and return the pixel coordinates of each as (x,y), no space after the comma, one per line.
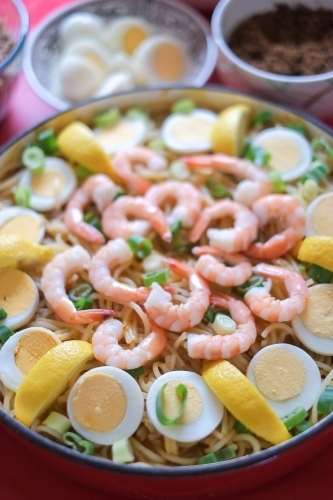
(255,185)
(116,224)
(109,256)
(179,317)
(215,347)
(265,306)
(282,208)
(101,190)
(122,164)
(187,197)
(53,282)
(231,240)
(107,350)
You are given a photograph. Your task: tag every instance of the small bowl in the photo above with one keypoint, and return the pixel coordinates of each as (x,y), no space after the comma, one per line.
(313,93)
(177,19)
(16,21)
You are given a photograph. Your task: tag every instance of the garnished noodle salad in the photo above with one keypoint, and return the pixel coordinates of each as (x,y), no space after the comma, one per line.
(166,284)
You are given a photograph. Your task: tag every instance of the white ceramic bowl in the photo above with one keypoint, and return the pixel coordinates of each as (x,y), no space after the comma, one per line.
(313,94)
(174,18)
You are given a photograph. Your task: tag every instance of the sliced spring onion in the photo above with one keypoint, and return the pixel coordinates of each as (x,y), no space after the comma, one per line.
(320,274)
(183,106)
(156,144)
(301,427)
(302,266)
(83,304)
(278,185)
(309,190)
(33,158)
(181,390)
(107,118)
(261,117)
(320,144)
(297,127)
(179,170)
(317,173)
(325,401)
(254,281)
(219,456)
(152,262)
(182,248)
(76,442)
(5,334)
(241,428)
(58,422)
(223,324)
(22,197)
(91,219)
(159,276)
(135,372)
(294,417)
(3,314)
(118,195)
(122,451)
(82,173)
(137,114)
(258,155)
(80,291)
(175,228)
(209,316)
(140,246)
(48,141)
(217,190)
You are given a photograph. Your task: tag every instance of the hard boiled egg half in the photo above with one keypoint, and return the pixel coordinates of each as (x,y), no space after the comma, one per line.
(319,216)
(286,376)
(22,351)
(105,405)
(126,133)
(52,188)
(23,222)
(81,25)
(203,410)
(314,326)
(127,33)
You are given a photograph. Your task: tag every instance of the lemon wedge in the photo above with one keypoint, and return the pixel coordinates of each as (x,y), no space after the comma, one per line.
(20,252)
(229,130)
(48,378)
(317,250)
(244,401)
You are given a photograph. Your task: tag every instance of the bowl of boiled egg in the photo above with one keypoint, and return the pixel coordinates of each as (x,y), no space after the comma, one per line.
(97,48)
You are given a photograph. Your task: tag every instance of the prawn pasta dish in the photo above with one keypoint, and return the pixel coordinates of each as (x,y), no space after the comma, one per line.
(166,292)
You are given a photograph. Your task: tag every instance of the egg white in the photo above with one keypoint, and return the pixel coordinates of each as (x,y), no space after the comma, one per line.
(79,77)
(46,203)
(117,82)
(212,408)
(10,375)
(92,50)
(11,212)
(311,386)
(309,227)
(138,131)
(115,33)
(81,25)
(134,412)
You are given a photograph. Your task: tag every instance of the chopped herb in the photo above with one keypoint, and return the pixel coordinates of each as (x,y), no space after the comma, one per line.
(295,417)
(257,155)
(135,372)
(318,173)
(82,173)
(33,158)
(140,246)
(184,106)
(22,197)
(175,228)
(107,118)
(137,114)
(325,401)
(261,117)
(5,334)
(219,456)
(80,291)
(278,185)
(253,282)
(217,190)
(3,314)
(297,127)
(320,274)
(181,391)
(48,141)
(77,442)
(159,276)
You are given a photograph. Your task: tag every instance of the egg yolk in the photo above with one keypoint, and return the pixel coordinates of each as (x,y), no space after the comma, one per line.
(322,217)
(31,347)
(168,62)
(99,402)
(48,183)
(279,374)
(172,403)
(318,314)
(133,38)
(17,292)
(121,133)
(285,155)
(191,129)
(25,226)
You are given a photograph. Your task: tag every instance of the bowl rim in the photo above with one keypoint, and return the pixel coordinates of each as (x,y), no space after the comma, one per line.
(220,41)
(24,28)
(165,471)
(62,104)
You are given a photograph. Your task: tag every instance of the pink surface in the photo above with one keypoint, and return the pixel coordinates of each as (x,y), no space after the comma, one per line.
(23,478)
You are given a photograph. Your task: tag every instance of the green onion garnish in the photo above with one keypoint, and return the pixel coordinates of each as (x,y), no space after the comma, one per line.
(118,195)
(278,185)
(318,173)
(302,266)
(159,276)
(241,428)
(182,248)
(325,401)
(181,390)
(219,456)
(5,334)
(122,451)
(175,228)
(209,316)
(135,372)
(297,127)
(91,219)
(80,291)
(48,141)
(107,118)
(254,281)
(140,246)
(301,427)
(295,417)
(320,144)
(156,144)
(320,274)
(58,422)
(33,158)
(137,114)
(217,190)
(82,173)
(257,155)
(78,443)
(3,314)
(83,304)
(261,117)
(184,106)
(22,197)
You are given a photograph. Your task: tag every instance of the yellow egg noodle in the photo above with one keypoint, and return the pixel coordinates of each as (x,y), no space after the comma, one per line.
(217,179)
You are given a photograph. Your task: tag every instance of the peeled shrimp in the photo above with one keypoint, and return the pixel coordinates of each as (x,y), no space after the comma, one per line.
(107,350)
(53,282)
(101,190)
(178,317)
(282,208)
(109,256)
(265,306)
(116,224)
(122,164)
(256,185)
(187,197)
(215,347)
(236,239)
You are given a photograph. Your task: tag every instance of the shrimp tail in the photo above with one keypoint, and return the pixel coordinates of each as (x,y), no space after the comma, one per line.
(88,232)
(87,316)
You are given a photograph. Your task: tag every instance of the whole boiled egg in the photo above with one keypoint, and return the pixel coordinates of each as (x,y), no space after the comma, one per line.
(286,376)
(79,77)
(319,216)
(314,326)
(23,222)
(81,25)
(202,413)
(51,188)
(105,405)
(126,133)
(22,351)
(290,152)
(93,50)
(190,132)
(127,33)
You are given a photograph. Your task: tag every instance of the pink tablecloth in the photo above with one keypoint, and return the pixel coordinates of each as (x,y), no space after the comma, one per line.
(22,478)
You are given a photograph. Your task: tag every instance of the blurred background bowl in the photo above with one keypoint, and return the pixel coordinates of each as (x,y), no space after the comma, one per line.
(15,19)
(174,18)
(313,93)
